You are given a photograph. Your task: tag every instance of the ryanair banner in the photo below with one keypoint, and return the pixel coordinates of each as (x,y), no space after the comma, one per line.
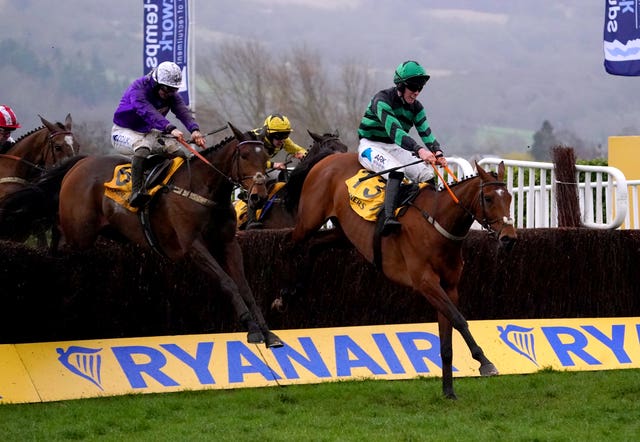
(55,371)
(165,28)
(622,37)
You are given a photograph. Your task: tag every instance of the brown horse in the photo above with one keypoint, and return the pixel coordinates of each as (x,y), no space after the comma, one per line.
(425,255)
(280,209)
(191,217)
(34,152)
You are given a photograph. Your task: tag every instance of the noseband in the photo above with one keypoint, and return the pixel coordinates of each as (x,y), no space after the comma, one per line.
(259,179)
(487,223)
(52,147)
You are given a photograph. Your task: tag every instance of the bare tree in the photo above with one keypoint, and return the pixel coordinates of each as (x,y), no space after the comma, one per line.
(355,93)
(239,78)
(246,82)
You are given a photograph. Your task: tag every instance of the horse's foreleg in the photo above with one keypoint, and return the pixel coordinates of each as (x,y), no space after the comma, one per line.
(460,323)
(449,316)
(446,354)
(207,263)
(234,267)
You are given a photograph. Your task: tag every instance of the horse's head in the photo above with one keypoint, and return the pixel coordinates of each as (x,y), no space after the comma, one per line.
(327,142)
(61,142)
(250,161)
(495,205)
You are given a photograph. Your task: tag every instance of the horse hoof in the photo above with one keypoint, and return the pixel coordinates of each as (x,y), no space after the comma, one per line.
(255,337)
(488,370)
(273,341)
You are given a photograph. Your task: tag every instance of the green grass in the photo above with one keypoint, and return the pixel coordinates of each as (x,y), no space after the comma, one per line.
(546,406)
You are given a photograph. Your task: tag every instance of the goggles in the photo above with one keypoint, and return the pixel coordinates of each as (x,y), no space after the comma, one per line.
(168,89)
(280,135)
(415,86)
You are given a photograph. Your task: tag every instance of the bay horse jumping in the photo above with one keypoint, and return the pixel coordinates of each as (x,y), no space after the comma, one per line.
(34,152)
(280,209)
(426,255)
(190,217)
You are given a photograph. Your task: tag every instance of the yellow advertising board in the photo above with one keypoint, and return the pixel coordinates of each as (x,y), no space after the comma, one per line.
(55,371)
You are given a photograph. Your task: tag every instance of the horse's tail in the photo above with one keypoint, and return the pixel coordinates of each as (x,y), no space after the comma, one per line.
(34,207)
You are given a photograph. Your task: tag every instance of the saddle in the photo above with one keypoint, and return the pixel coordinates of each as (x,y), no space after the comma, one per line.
(158,169)
(367,196)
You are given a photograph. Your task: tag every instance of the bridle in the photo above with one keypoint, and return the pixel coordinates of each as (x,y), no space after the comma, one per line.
(52,146)
(487,224)
(40,165)
(235,178)
(258,179)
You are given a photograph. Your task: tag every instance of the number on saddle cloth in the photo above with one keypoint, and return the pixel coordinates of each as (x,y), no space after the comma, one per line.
(367,196)
(158,171)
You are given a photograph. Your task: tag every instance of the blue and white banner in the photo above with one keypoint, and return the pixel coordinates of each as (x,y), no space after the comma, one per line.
(165,29)
(622,37)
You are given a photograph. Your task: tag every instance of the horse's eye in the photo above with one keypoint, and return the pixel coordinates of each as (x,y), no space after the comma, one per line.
(488,199)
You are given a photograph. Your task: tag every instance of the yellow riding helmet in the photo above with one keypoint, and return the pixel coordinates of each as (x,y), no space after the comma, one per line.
(277,123)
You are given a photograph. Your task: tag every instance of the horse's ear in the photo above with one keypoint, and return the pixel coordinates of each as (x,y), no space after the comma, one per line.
(314,135)
(337,133)
(52,127)
(481,172)
(236,133)
(501,171)
(262,133)
(68,122)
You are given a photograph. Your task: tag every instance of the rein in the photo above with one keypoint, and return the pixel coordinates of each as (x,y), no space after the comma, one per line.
(484,222)
(38,166)
(22,160)
(258,179)
(51,146)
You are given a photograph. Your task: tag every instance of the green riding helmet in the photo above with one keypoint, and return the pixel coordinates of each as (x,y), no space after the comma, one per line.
(410,72)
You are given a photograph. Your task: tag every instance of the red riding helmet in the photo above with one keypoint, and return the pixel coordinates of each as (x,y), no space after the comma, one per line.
(8,118)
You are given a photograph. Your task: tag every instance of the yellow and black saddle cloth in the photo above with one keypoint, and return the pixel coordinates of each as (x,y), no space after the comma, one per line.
(119,188)
(367,195)
(240,205)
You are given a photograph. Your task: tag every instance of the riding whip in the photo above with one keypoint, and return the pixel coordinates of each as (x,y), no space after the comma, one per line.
(382,172)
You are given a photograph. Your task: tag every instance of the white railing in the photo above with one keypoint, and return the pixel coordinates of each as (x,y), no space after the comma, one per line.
(607,200)
(602,193)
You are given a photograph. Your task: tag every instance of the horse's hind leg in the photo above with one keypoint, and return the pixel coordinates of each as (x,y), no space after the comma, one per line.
(305,253)
(203,259)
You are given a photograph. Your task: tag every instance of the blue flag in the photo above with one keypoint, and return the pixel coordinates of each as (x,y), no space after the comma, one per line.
(622,37)
(165,29)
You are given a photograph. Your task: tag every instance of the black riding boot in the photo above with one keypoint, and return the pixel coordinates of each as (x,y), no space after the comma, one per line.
(252,221)
(391,224)
(138,196)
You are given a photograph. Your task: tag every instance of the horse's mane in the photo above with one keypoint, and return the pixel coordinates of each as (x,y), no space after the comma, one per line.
(317,151)
(468,178)
(32,131)
(215,147)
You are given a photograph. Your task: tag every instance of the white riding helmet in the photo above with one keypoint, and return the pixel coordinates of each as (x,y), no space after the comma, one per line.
(168,73)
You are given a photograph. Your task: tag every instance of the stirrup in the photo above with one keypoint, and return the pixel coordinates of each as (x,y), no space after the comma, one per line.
(391,225)
(139,199)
